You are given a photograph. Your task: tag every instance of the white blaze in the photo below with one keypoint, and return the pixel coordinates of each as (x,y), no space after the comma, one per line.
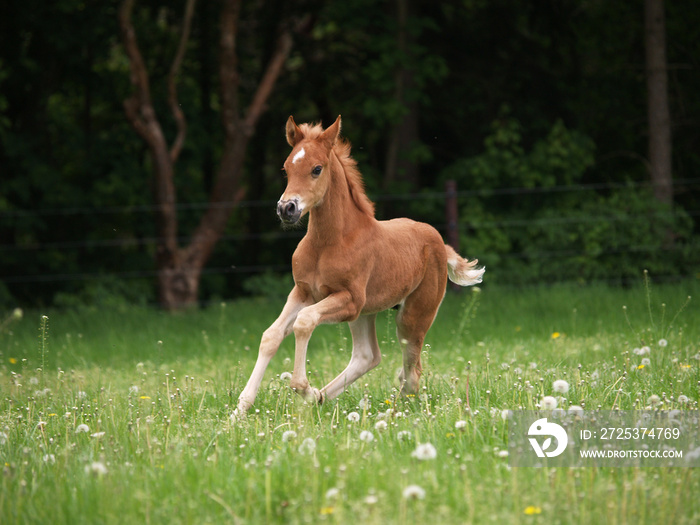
(299,155)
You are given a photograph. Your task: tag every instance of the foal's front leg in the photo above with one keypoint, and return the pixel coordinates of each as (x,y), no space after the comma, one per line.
(269,344)
(335,308)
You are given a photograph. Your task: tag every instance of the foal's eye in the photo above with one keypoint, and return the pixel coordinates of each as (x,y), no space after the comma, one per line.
(284,171)
(316,171)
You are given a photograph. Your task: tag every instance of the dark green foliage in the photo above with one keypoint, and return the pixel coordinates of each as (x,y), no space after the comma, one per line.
(556,228)
(536,109)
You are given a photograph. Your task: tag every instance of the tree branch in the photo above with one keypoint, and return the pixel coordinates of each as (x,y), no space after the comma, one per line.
(274,68)
(138,108)
(142,116)
(172,82)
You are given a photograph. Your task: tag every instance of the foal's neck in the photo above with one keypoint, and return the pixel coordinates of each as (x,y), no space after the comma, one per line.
(337,216)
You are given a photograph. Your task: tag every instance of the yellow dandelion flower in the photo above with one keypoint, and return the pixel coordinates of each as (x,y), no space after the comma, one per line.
(387,401)
(13,360)
(640,367)
(327,510)
(145,397)
(531,510)
(556,335)
(450,435)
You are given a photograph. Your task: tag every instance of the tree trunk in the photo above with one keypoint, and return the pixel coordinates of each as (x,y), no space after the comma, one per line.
(180,268)
(657,102)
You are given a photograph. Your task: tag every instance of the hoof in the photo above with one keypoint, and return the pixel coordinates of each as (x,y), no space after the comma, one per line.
(313,395)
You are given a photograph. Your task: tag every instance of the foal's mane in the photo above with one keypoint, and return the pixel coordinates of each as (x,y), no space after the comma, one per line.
(341,149)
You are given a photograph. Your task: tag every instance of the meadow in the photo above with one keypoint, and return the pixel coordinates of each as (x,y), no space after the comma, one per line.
(122,414)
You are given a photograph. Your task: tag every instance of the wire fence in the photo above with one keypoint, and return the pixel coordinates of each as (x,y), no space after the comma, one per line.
(241,238)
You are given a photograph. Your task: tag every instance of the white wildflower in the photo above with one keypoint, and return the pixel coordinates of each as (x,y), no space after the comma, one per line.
(404,435)
(97,435)
(366,436)
(354,417)
(307,447)
(285,376)
(288,435)
(549,403)
(461,425)
(646,362)
(332,493)
(654,400)
(576,410)
(560,386)
(683,399)
(663,343)
(82,428)
(413,492)
(3,438)
(96,468)
(49,458)
(380,426)
(424,451)
(364,403)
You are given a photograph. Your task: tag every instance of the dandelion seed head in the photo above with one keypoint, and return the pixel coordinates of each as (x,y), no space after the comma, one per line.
(288,435)
(82,428)
(560,386)
(576,410)
(549,402)
(307,447)
(380,426)
(404,435)
(413,492)
(663,343)
(461,424)
(354,417)
(285,376)
(366,436)
(654,400)
(96,468)
(424,452)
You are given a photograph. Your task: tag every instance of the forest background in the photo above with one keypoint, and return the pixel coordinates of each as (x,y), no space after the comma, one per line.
(141,142)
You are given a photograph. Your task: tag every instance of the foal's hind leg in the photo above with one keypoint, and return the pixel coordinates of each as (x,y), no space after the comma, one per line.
(365,356)
(412,323)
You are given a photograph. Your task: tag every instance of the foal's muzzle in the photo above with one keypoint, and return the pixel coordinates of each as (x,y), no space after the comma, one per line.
(289,211)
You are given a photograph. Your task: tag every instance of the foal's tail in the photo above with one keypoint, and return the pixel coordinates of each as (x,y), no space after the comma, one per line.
(460,270)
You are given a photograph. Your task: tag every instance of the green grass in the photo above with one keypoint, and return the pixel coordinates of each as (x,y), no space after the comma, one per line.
(156,391)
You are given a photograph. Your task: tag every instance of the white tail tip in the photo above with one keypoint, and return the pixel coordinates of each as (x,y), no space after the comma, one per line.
(463,272)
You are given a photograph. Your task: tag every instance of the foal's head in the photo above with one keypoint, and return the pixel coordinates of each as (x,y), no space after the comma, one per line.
(307,169)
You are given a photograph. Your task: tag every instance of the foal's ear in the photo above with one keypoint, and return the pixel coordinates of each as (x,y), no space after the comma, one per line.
(331,134)
(294,134)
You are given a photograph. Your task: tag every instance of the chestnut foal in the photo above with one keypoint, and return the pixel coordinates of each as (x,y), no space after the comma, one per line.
(349,266)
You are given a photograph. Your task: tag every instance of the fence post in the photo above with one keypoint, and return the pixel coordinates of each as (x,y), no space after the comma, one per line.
(452,222)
